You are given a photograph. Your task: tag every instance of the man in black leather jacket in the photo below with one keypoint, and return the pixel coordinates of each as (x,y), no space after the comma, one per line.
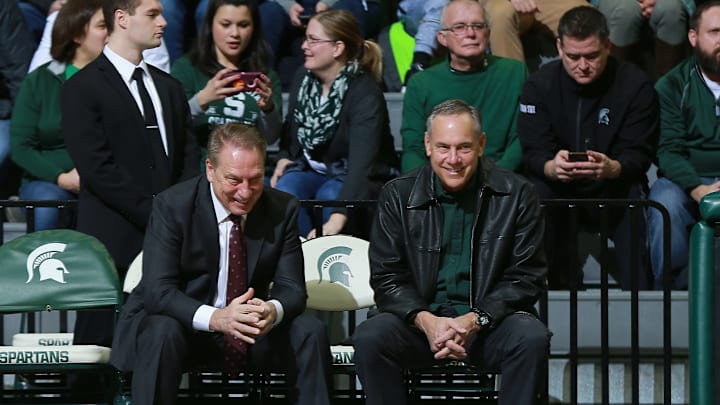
(456,264)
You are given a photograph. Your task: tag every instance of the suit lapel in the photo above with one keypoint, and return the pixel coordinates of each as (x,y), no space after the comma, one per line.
(205,224)
(116,81)
(254,234)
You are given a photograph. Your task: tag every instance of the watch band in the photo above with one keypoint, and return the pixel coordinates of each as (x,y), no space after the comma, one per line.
(483,319)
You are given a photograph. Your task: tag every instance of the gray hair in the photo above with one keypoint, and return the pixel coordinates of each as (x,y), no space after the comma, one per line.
(241,135)
(455,107)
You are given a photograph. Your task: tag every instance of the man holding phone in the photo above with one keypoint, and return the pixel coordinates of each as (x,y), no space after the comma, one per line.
(588,126)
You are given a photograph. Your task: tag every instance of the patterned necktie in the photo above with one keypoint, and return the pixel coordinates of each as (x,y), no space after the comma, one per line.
(235,349)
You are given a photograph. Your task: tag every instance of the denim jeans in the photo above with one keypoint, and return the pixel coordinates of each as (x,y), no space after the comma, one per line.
(174,32)
(46,218)
(35,20)
(684,214)
(4,150)
(308,185)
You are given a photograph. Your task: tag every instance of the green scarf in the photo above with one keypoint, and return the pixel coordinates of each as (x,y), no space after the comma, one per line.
(317,120)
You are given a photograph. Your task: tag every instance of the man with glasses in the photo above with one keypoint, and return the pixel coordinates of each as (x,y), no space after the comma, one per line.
(490,83)
(588,126)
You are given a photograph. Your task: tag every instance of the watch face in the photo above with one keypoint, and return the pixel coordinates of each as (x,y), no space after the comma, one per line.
(483,320)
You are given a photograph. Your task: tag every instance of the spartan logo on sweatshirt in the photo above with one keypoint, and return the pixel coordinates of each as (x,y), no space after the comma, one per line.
(604,116)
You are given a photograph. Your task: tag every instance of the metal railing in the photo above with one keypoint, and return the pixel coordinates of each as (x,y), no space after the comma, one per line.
(607,353)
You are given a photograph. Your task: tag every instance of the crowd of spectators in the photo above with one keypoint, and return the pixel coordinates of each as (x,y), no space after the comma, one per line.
(171,160)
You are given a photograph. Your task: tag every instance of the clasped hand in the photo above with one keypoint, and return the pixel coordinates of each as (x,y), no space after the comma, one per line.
(245,318)
(447,337)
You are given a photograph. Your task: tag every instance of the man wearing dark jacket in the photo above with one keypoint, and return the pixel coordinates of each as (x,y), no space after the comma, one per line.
(457,265)
(588,126)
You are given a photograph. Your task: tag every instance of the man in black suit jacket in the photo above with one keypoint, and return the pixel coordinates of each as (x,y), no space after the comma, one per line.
(104,124)
(177,315)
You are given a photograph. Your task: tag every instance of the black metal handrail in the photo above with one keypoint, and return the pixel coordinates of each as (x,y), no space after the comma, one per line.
(636,207)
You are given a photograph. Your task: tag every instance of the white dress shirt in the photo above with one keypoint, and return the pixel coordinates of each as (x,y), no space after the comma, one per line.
(201,319)
(126,70)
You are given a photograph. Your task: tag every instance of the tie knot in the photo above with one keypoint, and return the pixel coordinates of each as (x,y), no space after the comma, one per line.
(236,219)
(138,74)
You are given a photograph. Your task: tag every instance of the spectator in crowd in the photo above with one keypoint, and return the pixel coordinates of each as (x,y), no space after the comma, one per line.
(36,139)
(687,154)
(230,41)
(203,307)
(273,18)
(336,143)
(668,19)
(127,128)
(35,13)
(16,49)
(366,12)
(453,281)
(511,19)
(490,83)
(410,44)
(157,56)
(588,126)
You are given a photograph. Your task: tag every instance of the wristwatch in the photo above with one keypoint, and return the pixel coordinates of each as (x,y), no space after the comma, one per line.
(482,318)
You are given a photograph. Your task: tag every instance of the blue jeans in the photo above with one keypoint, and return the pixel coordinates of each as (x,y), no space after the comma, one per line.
(309,185)
(369,20)
(174,32)
(684,214)
(4,150)
(46,218)
(35,20)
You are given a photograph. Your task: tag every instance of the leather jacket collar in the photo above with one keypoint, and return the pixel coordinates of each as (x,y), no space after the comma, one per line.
(423,191)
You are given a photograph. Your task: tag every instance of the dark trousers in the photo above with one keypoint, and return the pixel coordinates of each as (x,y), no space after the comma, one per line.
(559,236)
(165,348)
(518,346)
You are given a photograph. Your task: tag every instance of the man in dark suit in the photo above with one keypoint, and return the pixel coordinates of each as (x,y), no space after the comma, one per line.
(127,128)
(183,312)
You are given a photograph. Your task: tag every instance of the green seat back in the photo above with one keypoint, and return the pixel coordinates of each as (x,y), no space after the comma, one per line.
(56,270)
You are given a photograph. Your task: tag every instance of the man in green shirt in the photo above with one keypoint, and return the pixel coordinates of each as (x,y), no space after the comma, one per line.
(689,145)
(490,83)
(456,264)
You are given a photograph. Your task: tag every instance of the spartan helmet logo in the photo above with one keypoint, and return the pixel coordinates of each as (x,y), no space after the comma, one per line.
(604,116)
(331,261)
(42,258)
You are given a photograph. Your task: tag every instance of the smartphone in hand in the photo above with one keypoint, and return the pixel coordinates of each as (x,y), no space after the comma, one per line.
(245,82)
(577,157)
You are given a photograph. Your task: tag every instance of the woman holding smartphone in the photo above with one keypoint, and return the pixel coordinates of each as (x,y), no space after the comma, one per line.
(229,42)
(36,139)
(336,141)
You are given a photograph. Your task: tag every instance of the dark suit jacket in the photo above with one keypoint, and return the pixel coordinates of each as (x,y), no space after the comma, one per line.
(105,135)
(181,255)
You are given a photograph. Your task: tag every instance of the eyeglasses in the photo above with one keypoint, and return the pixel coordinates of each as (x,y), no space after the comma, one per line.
(461,28)
(314,41)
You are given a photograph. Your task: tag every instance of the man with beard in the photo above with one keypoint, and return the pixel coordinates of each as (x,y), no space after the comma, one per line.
(689,142)
(588,126)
